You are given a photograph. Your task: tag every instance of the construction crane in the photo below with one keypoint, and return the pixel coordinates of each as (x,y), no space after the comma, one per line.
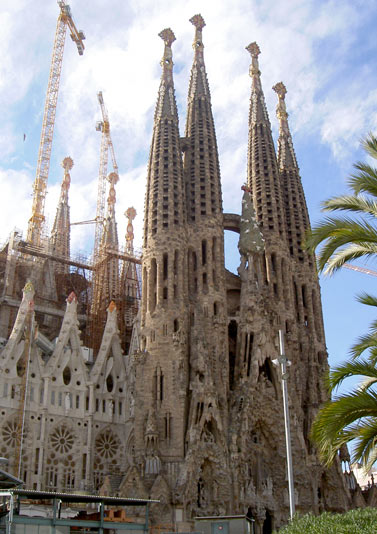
(106,147)
(37,218)
(360,269)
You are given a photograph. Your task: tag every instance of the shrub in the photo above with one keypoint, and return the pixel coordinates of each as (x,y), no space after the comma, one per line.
(361,521)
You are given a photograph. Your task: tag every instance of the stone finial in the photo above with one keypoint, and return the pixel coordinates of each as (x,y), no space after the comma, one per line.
(198,21)
(71,297)
(254,71)
(130,213)
(67,163)
(286,151)
(254,49)
(113,178)
(167,36)
(280,89)
(281,110)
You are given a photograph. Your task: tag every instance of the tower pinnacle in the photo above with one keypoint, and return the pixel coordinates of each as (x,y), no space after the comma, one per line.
(286,153)
(130,213)
(198,22)
(263,174)
(67,165)
(168,37)
(60,233)
(254,71)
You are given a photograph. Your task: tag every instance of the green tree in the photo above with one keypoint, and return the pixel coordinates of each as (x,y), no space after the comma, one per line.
(351,416)
(346,238)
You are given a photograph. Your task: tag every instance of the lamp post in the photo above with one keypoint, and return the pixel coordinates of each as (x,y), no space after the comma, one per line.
(284,362)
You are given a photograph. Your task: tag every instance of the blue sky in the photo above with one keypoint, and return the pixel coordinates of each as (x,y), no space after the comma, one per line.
(324,52)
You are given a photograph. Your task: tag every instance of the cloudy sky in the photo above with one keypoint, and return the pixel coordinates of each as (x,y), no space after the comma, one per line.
(324,52)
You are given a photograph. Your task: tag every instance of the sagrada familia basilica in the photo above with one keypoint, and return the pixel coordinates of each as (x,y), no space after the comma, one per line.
(153,376)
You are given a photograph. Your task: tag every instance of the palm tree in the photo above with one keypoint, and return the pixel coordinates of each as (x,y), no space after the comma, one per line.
(350,416)
(346,238)
(353,415)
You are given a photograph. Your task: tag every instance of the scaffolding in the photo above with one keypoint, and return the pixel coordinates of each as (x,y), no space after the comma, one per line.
(21,261)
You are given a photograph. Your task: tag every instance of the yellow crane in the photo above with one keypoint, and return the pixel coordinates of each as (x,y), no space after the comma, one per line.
(40,184)
(106,147)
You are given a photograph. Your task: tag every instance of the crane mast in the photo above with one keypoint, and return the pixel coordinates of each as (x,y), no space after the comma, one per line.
(106,147)
(37,218)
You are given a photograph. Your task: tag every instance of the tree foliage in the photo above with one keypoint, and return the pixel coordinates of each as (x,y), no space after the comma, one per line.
(340,239)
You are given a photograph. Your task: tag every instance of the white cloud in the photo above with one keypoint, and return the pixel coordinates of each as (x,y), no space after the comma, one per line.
(304,44)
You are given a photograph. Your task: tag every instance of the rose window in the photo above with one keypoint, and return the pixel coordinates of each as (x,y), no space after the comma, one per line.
(62,440)
(11,434)
(107,445)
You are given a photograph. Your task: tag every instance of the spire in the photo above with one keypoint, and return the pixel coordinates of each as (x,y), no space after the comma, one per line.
(60,233)
(198,82)
(164,204)
(166,104)
(263,175)
(202,171)
(258,111)
(130,214)
(286,153)
(110,234)
(297,217)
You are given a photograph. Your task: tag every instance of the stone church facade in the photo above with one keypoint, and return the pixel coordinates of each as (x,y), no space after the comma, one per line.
(193,414)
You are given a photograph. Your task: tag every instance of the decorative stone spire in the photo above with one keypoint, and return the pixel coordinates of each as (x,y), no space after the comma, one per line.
(164,205)
(201,159)
(297,217)
(166,104)
(130,213)
(206,273)
(164,306)
(110,234)
(263,175)
(259,110)
(198,22)
(60,233)
(286,153)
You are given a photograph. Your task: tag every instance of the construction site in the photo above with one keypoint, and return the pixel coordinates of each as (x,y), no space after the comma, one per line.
(55,307)
(44,257)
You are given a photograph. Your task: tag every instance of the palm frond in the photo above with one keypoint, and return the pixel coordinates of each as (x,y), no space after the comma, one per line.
(338,422)
(365,180)
(369,143)
(365,450)
(346,255)
(358,204)
(366,298)
(369,341)
(338,232)
(360,367)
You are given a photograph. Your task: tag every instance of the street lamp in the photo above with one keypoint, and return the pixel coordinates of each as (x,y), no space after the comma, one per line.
(284,362)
